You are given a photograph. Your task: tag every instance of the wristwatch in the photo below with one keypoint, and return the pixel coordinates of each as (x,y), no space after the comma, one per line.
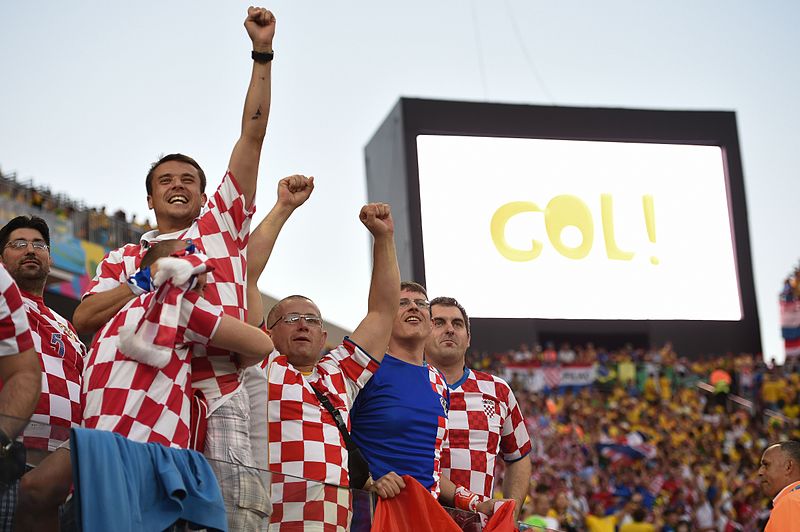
(262,57)
(5,444)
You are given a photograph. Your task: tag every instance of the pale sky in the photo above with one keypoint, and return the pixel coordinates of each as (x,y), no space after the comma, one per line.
(92,92)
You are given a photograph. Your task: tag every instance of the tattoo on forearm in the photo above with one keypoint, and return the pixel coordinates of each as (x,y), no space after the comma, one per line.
(257,115)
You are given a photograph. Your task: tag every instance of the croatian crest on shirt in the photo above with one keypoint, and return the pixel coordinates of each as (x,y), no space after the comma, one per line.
(490,407)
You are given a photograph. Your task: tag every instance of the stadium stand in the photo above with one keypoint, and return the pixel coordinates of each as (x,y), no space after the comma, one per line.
(651,431)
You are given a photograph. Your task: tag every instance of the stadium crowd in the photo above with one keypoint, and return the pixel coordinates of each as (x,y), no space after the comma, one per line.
(657,444)
(185,359)
(86,222)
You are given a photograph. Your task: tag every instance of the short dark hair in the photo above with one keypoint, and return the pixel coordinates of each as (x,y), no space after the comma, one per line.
(275,310)
(161,249)
(451,302)
(181,158)
(24,222)
(792,449)
(412,286)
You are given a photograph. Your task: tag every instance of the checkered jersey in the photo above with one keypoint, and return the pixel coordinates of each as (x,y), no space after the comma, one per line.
(485,420)
(139,401)
(304,441)
(221,232)
(61,355)
(15,335)
(439,386)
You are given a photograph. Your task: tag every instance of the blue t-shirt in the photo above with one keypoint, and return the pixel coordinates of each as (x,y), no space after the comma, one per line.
(396,418)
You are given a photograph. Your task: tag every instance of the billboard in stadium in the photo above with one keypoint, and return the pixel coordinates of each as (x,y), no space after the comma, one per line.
(573,229)
(553,222)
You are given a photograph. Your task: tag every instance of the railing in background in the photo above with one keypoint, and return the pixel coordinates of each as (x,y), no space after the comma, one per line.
(74,218)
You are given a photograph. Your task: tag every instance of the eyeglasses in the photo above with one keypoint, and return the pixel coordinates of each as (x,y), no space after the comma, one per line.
(420,303)
(292,318)
(21,243)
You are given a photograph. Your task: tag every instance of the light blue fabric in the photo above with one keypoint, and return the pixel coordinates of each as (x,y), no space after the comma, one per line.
(127,486)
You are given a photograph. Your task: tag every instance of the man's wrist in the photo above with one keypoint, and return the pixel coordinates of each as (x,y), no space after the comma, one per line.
(282,212)
(463,499)
(262,56)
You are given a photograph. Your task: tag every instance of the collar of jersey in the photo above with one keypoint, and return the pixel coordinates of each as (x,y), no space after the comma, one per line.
(460,381)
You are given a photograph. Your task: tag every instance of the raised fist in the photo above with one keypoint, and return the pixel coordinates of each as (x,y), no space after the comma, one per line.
(260,26)
(377,217)
(294,190)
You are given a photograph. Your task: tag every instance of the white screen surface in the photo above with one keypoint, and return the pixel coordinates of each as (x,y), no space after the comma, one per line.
(532,228)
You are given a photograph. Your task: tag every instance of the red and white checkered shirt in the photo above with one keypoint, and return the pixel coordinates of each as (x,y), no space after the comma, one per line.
(61,355)
(15,333)
(485,420)
(221,232)
(439,386)
(304,441)
(140,401)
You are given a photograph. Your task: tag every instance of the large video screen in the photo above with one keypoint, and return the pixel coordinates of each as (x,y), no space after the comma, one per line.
(573,229)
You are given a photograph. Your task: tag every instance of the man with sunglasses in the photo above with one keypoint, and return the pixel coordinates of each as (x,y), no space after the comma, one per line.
(25,245)
(176,192)
(304,440)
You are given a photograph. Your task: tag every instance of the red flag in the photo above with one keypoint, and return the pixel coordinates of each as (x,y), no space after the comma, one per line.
(502,519)
(413,509)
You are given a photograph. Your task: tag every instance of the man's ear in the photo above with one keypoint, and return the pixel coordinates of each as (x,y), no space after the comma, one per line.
(149,202)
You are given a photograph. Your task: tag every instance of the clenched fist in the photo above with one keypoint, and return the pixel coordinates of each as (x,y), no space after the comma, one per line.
(260,26)
(377,217)
(294,190)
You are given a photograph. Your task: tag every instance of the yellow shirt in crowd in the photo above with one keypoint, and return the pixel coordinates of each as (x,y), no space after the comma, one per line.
(601,524)
(638,527)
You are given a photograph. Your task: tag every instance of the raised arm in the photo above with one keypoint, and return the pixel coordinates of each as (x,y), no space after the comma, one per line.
(373,333)
(260,25)
(293,191)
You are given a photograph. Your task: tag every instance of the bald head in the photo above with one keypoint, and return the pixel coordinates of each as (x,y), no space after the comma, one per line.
(295,325)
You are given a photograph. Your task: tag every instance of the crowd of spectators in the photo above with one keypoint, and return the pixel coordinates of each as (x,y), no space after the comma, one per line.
(88,223)
(659,445)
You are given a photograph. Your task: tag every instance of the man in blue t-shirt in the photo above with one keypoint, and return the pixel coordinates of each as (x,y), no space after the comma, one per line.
(399,420)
